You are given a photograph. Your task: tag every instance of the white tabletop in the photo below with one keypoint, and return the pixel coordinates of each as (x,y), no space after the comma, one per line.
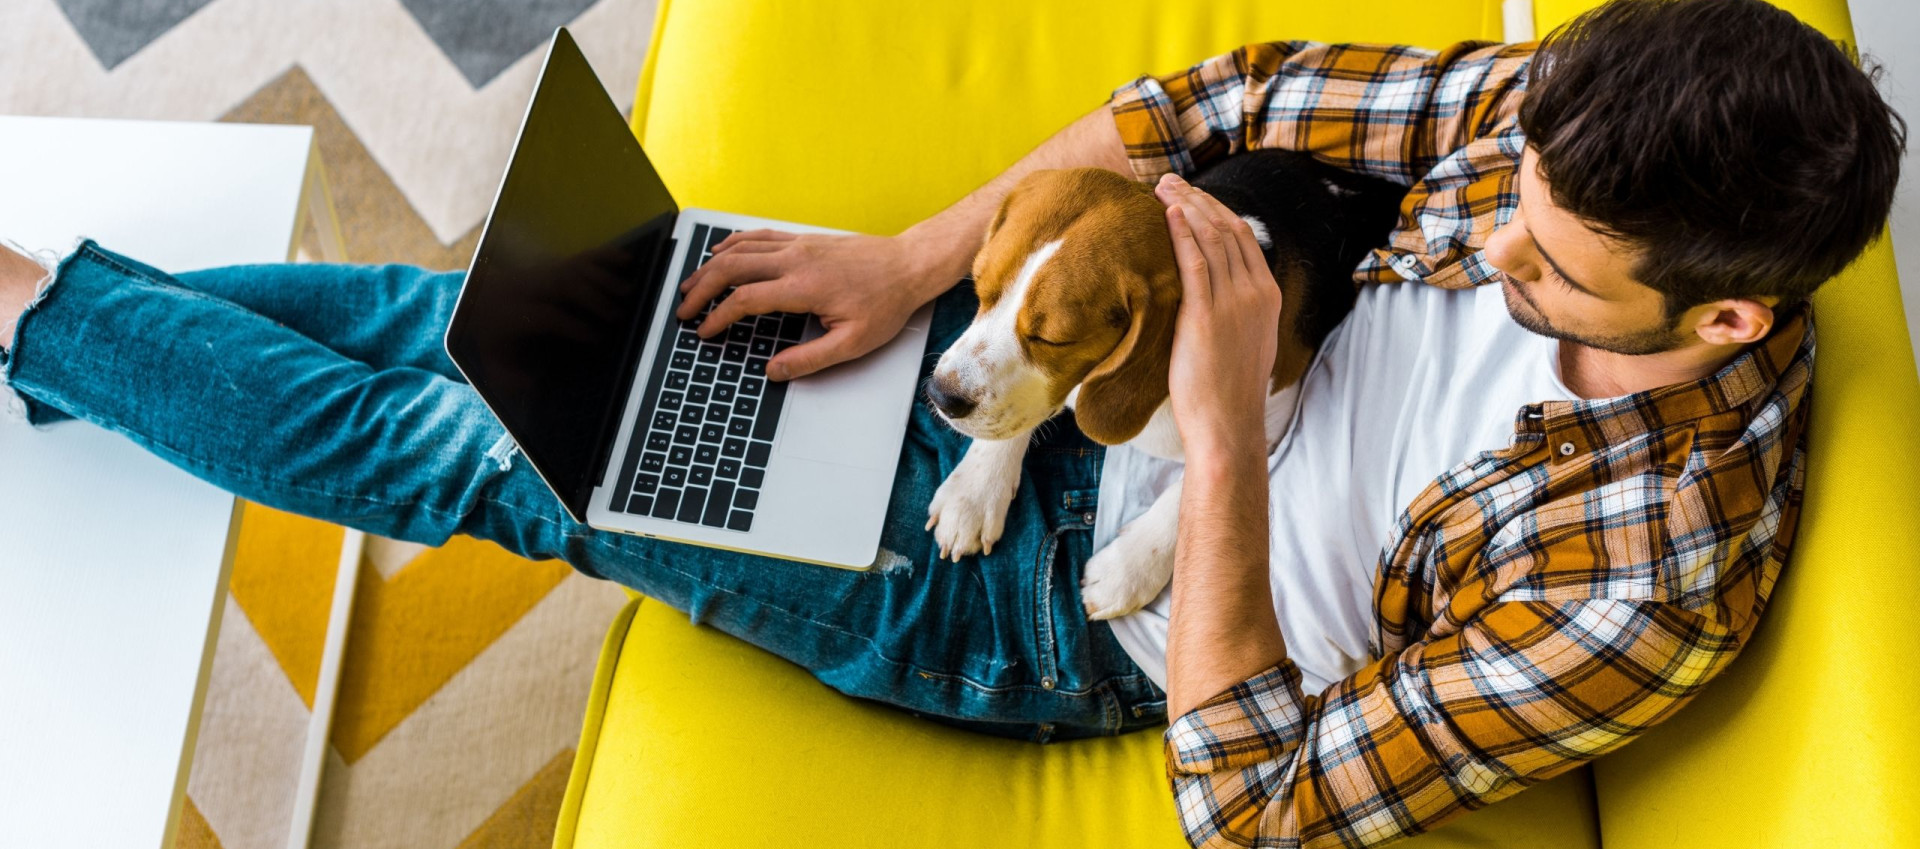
(112,562)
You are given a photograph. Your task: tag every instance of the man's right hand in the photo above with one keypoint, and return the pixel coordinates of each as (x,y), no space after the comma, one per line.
(863,288)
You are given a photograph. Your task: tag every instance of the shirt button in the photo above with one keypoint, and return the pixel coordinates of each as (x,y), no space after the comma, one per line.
(1566,449)
(1087,517)
(1046,683)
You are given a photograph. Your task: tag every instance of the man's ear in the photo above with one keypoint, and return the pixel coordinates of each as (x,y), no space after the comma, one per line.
(1735,321)
(1121,393)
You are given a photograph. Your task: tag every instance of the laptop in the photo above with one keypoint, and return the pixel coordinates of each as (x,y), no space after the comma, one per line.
(565,328)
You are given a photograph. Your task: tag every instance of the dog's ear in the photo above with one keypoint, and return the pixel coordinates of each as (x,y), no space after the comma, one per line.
(1121,393)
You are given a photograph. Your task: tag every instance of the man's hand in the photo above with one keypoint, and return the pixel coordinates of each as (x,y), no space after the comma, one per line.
(1224,338)
(863,288)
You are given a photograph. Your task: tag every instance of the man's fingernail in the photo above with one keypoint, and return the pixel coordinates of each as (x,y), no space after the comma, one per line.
(777,372)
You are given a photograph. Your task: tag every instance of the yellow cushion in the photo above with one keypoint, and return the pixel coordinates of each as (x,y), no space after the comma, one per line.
(871,116)
(694,738)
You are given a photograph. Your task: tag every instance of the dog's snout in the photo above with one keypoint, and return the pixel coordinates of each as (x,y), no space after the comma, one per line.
(954,406)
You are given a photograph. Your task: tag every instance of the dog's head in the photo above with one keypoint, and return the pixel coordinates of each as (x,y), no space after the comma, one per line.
(1078,287)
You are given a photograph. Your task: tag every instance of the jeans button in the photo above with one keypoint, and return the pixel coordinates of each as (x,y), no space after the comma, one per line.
(1087,517)
(1046,683)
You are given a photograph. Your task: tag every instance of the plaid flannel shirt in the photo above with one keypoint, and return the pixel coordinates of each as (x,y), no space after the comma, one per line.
(1539,605)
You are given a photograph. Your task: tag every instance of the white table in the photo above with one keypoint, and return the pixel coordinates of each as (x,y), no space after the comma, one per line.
(113,564)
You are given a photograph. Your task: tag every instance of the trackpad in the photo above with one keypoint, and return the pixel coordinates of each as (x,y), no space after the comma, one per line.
(847,414)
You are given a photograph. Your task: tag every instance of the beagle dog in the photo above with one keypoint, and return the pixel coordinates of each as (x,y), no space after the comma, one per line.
(1078,289)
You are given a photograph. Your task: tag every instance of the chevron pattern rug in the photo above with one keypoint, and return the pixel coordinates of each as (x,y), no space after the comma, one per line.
(467,670)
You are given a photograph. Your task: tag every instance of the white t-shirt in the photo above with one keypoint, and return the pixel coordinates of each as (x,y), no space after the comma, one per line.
(1417,380)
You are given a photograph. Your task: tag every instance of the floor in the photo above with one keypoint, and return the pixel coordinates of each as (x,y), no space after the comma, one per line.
(467,669)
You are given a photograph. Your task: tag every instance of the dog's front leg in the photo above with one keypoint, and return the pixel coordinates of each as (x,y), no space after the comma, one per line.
(1137,564)
(969,511)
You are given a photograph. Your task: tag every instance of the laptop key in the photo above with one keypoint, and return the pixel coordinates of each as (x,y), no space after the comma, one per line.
(653,462)
(678,380)
(727,468)
(700,476)
(688,340)
(791,324)
(703,374)
(740,426)
(712,432)
(662,420)
(769,416)
(730,372)
(740,520)
(646,484)
(683,359)
(707,453)
(692,501)
(758,453)
(697,394)
(733,448)
(641,505)
(735,354)
(752,477)
(717,412)
(686,435)
(717,503)
(746,499)
(740,332)
(666,503)
(757,367)
(715,237)
(723,393)
(751,386)
(693,415)
(767,325)
(709,353)
(659,440)
(680,455)
(673,477)
(670,400)
(741,407)
(760,347)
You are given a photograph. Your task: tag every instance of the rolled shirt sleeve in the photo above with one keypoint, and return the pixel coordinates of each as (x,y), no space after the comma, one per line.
(1521,693)
(1392,111)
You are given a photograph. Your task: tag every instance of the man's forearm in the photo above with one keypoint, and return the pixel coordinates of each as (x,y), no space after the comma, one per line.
(952,237)
(1222,628)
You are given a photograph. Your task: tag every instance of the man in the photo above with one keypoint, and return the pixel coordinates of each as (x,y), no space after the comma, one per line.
(1656,193)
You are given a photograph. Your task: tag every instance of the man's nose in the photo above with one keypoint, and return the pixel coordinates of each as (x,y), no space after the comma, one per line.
(1507,253)
(954,406)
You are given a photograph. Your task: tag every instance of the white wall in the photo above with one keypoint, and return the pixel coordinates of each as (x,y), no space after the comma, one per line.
(1889,31)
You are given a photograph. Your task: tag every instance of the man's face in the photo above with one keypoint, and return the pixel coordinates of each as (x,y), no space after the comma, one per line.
(1565,281)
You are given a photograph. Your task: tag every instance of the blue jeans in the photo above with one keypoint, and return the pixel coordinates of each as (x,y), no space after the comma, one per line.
(324,390)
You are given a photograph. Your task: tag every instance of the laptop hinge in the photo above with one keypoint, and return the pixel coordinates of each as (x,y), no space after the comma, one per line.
(609,429)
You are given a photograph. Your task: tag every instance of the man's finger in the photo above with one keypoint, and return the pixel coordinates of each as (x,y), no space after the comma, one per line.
(720,272)
(1195,289)
(760,235)
(777,295)
(831,348)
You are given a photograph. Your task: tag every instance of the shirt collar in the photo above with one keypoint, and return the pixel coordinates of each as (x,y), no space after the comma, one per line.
(1747,379)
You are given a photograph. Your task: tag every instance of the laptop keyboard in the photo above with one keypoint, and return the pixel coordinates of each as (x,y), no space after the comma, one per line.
(701,454)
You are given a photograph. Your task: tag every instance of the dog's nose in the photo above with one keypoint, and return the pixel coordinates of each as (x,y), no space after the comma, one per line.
(954,406)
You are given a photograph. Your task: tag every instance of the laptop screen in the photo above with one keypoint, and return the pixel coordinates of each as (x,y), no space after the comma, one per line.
(550,318)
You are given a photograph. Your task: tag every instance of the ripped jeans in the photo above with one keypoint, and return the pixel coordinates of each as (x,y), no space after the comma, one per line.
(324,390)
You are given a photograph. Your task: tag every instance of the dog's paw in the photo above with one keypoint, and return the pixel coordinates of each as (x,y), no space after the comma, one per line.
(969,511)
(1124,576)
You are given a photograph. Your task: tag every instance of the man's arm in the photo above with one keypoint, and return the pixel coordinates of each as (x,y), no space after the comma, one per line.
(950,238)
(863,288)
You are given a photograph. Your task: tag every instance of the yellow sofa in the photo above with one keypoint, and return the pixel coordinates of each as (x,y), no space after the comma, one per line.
(872,115)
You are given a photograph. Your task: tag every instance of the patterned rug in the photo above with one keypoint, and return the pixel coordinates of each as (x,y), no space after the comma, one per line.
(467,669)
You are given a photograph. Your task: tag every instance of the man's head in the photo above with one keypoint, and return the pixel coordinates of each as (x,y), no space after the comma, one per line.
(1692,168)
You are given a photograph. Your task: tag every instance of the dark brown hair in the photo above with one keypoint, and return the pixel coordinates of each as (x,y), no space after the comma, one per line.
(1737,149)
